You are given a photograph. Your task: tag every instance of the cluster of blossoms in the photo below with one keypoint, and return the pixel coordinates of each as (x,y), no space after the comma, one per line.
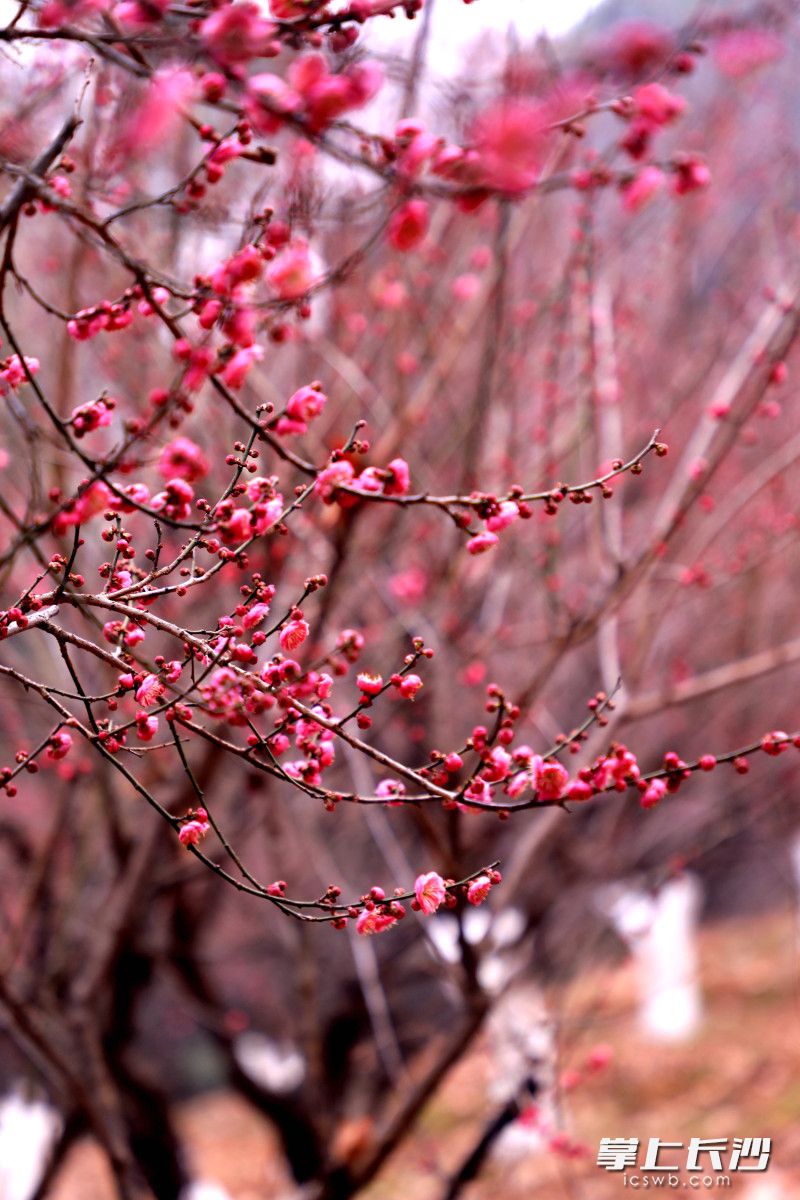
(310,94)
(498,515)
(301,408)
(340,484)
(94,415)
(111,316)
(431,892)
(13,373)
(194,827)
(513,145)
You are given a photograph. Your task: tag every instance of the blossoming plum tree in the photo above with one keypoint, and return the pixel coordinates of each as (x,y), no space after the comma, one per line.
(291,383)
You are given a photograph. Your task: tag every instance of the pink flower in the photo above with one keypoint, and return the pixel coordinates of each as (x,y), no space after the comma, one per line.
(388,789)
(637,47)
(691,174)
(333,477)
(744,50)
(237,33)
(141,12)
(506,514)
(657,106)
(191,832)
(294,271)
(641,190)
(146,727)
(550,779)
(13,373)
(482,542)
(305,404)
(409,685)
(268,99)
(183,459)
(255,615)
(497,765)
(174,500)
(57,13)
(479,889)
(149,691)
(325,96)
(293,634)
(430,892)
(371,921)
(238,366)
(59,745)
(578,791)
(511,141)
(400,481)
(158,114)
(408,225)
(94,415)
(654,794)
(369,684)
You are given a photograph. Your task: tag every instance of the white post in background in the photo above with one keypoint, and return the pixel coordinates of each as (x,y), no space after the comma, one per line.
(204,1191)
(660,932)
(28,1129)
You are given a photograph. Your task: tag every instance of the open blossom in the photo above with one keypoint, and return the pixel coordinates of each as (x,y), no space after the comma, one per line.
(255,615)
(175,500)
(183,459)
(511,141)
(293,634)
(430,892)
(482,542)
(332,478)
(497,765)
(13,373)
(389,789)
(238,366)
(57,13)
(269,98)
(301,408)
(369,684)
(409,685)
(158,114)
(295,270)
(192,831)
(479,889)
(149,691)
(94,415)
(238,33)
(326,96)
(550,777)
(371,921)
(656,105)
